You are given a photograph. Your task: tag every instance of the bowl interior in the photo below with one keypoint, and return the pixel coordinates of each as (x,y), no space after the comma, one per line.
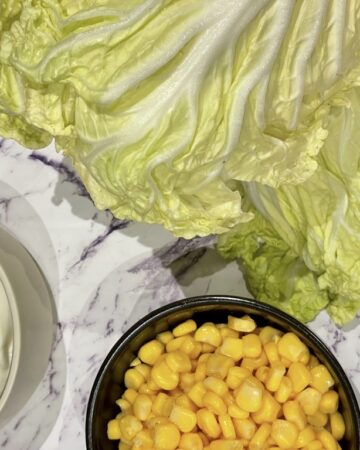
(109,385)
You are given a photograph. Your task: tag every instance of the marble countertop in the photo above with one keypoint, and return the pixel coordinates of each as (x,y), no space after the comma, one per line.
(105,274)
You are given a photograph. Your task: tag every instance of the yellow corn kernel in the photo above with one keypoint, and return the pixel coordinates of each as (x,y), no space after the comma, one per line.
(175,393)
(162,404)
(275,377)
(245,324)
(145,389)
(130,426)
(214,403)
(216,385)
(252,346)
(260,437)
(225,332)
(284,433)
(225,444)
(187,381)
(175,344)
(305,358)
(227,427)
(293,413)
(113,430)
(245,428)
(163,376)
(196,394)
(269,411)
(209,334)
(285,362)
(204,357)
(195,352)
(150,352)
(284,392)
(318,419)
(314,445)
(262,373)
(142,407)
(300,376)
(142,440)
(123,404)
(144,369)
(249,394)
(208,348)
(200,372)
(313,362)
(232,347)
(268,334)
(130,395)
(337,426)
(178,361)
(236,412)
(271,351)
(228,399)
(183,418)
(329,403)
(321,379)
(135,362)
(165,337)
(254,363)
(183,400)
(133,379)
(189,345)
(236,375)
(219,365)
(306,436)
(291,347)
(187,327)
(327,440)
(166,436)
(207,422)
(191,441)
(309,400)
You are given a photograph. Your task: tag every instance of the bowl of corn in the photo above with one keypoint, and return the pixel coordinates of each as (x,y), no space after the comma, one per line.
(221,373)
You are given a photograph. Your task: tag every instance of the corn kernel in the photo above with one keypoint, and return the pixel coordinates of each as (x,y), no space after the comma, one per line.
(183,418)
(327,440)
(314,445)
(162,404)
(232,347)
(260,437)
(284,433)
(175,344)
(113,430)
(200,372)
(267,334)
(254,363)
(262,373)
(189,345)
(216,385)
(130,395)
(236,412)
(208,424)
(218,365)
(135,362)
(269,411)
(227,427)
(337,426)
(245,428)
(144,369)
(275,377)
(123,404)
(329,403)
(236,375)
(225,332)
(293,413)
(282,395)
(244,324)
(271,351)
(309,400)
(321,379)
(209,334)
(196,394)
(166,436)
(142,440)
(142,407)
(306,436)
(163,376)
(318,419)
(184,328)
(249,394)
(133,379)
(226,444)
(214,403)
(129,427)
(291,348)
(252,346)
(165,337)
(178,361)
(187,380)
(300,376)
(184,400)
(150,352)
(191,441)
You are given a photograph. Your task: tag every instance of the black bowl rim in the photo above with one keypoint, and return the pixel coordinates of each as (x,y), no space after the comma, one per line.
(202,300)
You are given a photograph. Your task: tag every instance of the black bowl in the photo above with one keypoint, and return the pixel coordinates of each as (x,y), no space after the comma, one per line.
(108,385)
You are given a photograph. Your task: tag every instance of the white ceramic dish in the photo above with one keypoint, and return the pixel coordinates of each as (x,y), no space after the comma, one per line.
(32,313)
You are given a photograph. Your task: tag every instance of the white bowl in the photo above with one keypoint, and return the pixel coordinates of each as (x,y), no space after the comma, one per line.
(32,313)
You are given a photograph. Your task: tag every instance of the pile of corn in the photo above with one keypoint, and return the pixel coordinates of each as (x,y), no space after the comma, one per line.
(227,386)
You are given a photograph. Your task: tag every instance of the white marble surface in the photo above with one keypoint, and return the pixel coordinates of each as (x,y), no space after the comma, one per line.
(105,274)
